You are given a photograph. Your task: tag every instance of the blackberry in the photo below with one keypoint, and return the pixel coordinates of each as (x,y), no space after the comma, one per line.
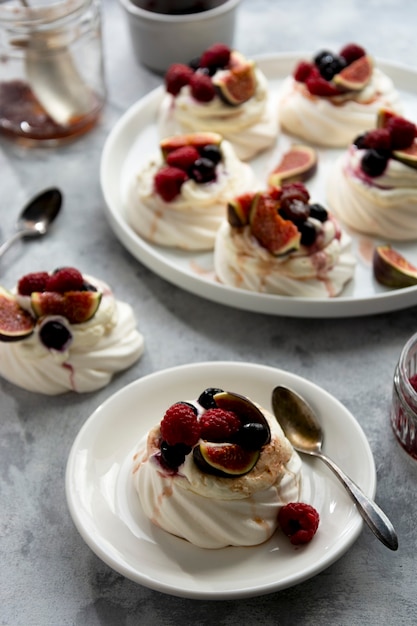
(194,63)
(295,210)
(318,212)
(88,287)
(55,335)
(360,141)
(203,170)
(252,436)
(206,397)
(329,64)
(189,404)
(374,162)
(212,152)
(174,456)
(308,234)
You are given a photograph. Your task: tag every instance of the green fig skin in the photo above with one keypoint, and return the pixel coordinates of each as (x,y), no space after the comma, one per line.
(355,76)
(76,306)
(392,270)
(16,324)
(298,164)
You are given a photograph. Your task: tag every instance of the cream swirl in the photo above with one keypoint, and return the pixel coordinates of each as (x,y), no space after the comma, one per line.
(334,122)
(212,511)
(100,347)
(191,220)
(250,127)
(384,206)
(320,271)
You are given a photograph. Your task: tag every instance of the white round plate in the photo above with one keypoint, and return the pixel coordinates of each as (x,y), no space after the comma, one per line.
(134,140)
(107,513)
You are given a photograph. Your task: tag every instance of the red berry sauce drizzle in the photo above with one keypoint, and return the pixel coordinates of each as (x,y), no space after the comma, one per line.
(404,400)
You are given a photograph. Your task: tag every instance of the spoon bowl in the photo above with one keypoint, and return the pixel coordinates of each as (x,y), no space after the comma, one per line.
(303,430)
(36,217)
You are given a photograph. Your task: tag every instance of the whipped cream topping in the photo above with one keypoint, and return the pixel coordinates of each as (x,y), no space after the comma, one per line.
(107,343)
(212,511)
(336,121)
(384,206)
(320,271)
(251,127)
(191,220)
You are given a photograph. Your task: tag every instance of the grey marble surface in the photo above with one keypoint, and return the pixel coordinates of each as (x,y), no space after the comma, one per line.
(48,576)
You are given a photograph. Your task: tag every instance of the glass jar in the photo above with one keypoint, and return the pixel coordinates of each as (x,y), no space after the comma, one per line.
(51,69)
(404,398)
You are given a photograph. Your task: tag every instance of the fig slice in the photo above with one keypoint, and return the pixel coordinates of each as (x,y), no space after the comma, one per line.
(408,156)
(15,323)
(384,116)
(298,164)
(392,269)
(247,411)
(237,84)
(356,75)
(238,209)
(272,231)
(197,140)
(224,459)
(75,306)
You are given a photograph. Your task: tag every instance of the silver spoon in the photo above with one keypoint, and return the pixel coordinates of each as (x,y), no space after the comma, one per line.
(301,427)
(36,217)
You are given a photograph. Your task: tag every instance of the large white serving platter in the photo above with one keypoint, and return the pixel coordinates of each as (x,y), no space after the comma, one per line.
(106,510)
(134,140)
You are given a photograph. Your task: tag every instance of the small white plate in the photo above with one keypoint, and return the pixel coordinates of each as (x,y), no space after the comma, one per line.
(106,511)
(134,140)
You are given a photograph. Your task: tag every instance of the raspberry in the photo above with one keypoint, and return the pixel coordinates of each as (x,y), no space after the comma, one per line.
(35,281)
(176,77)
(352,52)
(402,132)
(202,89)
(299,522)
(319,86)
(379,139)
(219,424)
(168,182)
(180,425)
(65,279)
(183,157)
(217,56)
(303,71)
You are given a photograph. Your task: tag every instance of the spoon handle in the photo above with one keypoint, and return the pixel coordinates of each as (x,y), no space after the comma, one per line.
(376,519)
(9,242)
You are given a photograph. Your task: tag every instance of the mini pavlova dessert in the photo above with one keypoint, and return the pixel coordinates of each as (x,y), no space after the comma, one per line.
(277,242)
(217,471)
(64,331)
(179,197)
(221,92)
(335,97)
(373,185)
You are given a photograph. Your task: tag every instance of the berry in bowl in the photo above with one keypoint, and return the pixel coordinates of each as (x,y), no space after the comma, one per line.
(335,96)
(65,331)
(218,470)
(373,185)
(278,242)
(220,92)
(179,198)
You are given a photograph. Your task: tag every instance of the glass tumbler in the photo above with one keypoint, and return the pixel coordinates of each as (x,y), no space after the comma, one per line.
(404,398)
(52,84)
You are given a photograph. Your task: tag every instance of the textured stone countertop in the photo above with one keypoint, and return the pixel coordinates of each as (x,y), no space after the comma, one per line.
(48,575)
